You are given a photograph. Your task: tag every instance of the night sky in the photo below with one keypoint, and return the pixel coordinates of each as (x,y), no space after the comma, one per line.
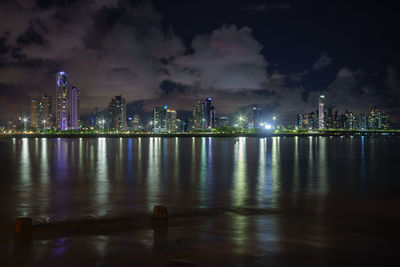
(279,55)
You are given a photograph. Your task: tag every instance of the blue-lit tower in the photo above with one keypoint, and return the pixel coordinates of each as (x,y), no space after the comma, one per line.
(62,101)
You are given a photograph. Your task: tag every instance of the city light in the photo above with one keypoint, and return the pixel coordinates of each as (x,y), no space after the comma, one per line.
(268,126)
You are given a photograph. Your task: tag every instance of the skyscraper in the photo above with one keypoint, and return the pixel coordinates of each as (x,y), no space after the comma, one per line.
(209,113)
(199,120)
(36,111)
(46,116)
(171,120)
(256,117)
(375,119)
(62,101)
(362,122)
(41,112)
(136,122)
(159,115)
(117,114)
(321,119)
(74,108)
(386,124)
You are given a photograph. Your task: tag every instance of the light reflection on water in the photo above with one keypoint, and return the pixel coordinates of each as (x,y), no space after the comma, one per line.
(240,172)
(284,195)
(102,183)
(94,177)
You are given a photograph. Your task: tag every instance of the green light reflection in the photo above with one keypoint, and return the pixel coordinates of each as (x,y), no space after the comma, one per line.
(240,188)
(262,166)
(153,171)
(102,185)
(275,168)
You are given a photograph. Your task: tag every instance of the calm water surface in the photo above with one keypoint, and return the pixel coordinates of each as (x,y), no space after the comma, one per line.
(284,195)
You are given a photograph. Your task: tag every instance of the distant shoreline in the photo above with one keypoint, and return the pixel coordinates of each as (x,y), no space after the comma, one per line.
(174,135)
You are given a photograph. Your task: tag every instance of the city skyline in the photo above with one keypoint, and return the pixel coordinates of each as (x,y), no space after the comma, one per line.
(165,119)
(237,62)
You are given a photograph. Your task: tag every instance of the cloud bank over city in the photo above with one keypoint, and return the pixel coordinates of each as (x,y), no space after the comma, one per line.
(118,47)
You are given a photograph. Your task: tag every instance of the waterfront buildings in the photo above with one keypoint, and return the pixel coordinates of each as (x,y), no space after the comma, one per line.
(62,101)
(257,112)
(321,106)
(74,108)
(376,120)
(117,114)
(171,122)
(40,112)
(135,123)
(209,114)
(47,118)
(199,116)
(36,110)
(203,115)
(158,123)
(362,122)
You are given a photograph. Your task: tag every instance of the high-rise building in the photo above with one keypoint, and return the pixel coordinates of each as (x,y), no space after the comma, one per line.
(199,120)
(159,115)
(362,122)
(313,121)
(62,101)
(135,123)
(256,117)
(36,112)
(41,112)
(375,119)
(321,119)
(299,121)
(386,124)
(329,119)
(74,108)
(209,114)
(46,113)
(117,114)
(171,120)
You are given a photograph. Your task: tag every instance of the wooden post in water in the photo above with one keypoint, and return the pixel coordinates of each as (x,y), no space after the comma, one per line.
(23,226)
(160,212)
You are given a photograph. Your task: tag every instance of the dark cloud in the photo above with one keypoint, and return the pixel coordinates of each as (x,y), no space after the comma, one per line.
(168,86)
(322,62)
(262,7)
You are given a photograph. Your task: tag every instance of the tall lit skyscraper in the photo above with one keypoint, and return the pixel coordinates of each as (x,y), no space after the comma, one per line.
(210,114)
(321,117)
(41,112)
(36,110)
(159,115)
(362,122)
(74,108)
(171,120)
(375,119)
(62,101)
(256,117)
(117,114)
(46,116)
(199,120)
(136,122)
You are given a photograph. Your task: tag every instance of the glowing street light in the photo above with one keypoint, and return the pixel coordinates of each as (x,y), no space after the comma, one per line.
(44,125)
